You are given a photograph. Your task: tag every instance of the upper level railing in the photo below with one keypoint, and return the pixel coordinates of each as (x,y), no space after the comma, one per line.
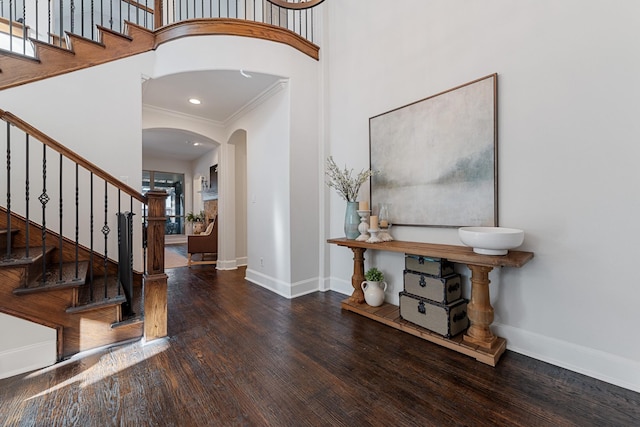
(49,20)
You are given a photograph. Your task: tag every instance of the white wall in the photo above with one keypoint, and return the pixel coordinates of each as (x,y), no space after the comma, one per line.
(25,346)
(568,90)
(295,271)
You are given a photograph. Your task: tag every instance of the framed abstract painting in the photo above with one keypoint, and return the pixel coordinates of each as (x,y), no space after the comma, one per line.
(437,158)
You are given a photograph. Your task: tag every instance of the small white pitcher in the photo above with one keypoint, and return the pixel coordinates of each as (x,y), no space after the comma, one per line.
(374,292)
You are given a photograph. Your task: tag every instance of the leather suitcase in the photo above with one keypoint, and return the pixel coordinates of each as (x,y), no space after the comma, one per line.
(434,266)
(447,320)
(439,289)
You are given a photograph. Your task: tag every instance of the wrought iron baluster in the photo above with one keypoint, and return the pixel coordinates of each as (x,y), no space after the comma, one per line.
(111,14)
(61,35)
(60,219)
(49,27)
(82,18)
(26,198)
(105,232)
(92,21)
(73,10)
(91,236)
(24,27)
(76,277)
(119,240)
(8,190)
(44,199)
(131,237)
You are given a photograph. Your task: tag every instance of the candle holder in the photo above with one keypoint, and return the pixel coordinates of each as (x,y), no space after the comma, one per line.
(374,236)
(384,234)
(363,226)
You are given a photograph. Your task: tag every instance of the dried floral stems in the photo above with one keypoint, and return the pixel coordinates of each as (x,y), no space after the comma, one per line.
(345,184)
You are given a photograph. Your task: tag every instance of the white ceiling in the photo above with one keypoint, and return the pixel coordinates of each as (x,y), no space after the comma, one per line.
(223,93)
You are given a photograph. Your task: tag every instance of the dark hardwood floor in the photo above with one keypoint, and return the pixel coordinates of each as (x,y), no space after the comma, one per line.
(240,355)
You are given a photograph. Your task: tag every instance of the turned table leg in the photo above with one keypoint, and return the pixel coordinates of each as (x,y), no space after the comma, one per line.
(479,309)
(358,275)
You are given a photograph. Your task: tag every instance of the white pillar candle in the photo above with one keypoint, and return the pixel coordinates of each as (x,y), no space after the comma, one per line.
(363,206)
(373,222)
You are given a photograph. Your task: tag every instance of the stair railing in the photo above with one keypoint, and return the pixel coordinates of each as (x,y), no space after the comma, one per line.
(90,202)
(48,21)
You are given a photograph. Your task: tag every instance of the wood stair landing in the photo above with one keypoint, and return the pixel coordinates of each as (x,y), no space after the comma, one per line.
(51,60)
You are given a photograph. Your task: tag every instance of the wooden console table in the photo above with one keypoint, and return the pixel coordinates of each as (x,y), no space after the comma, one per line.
(478,341)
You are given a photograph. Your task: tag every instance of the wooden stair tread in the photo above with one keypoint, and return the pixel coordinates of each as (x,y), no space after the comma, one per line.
(18,256)
(54,281)
(85,303)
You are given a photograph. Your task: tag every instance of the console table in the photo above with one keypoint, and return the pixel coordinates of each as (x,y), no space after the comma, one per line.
(478,341)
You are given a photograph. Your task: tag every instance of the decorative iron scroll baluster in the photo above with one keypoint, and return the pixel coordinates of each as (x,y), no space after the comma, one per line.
(73,11)
(91,237)
(26,198)
(49,5)
(76,276)
(44,199)
(105,232)
(8,190)
(24,27)
(60,231)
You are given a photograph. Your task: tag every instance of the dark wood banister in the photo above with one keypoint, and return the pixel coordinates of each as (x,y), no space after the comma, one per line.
(55,145)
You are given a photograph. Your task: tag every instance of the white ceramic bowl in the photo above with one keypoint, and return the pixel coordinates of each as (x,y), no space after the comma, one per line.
(491,240)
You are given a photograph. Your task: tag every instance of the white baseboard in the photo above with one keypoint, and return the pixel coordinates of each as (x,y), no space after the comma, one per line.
(285,289)
(226,265)
(593,363)
(583,360)
(27,358)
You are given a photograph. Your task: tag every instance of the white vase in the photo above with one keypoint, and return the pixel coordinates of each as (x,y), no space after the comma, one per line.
(374,292)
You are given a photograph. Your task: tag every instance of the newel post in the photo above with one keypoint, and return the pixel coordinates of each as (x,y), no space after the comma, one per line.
(155,279)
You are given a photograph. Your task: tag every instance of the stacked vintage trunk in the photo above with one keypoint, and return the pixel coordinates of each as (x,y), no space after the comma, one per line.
(432,296)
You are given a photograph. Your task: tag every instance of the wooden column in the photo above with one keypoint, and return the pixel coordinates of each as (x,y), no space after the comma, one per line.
(479,309)
(155,279)
(358,275)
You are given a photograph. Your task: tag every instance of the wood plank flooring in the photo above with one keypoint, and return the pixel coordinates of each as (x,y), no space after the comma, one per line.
(239,355)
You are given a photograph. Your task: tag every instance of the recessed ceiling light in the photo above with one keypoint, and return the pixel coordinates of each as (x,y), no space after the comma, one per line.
(195,144)
(244,74)
(195,101)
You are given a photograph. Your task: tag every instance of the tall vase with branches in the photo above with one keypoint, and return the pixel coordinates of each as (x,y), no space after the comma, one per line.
(347,185)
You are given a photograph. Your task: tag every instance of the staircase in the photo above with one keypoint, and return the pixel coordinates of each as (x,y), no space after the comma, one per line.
(47,286)
(73,270)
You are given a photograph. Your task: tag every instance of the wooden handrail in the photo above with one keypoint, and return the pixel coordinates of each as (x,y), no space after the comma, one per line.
(56,146)
(234,27)
(138,5)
